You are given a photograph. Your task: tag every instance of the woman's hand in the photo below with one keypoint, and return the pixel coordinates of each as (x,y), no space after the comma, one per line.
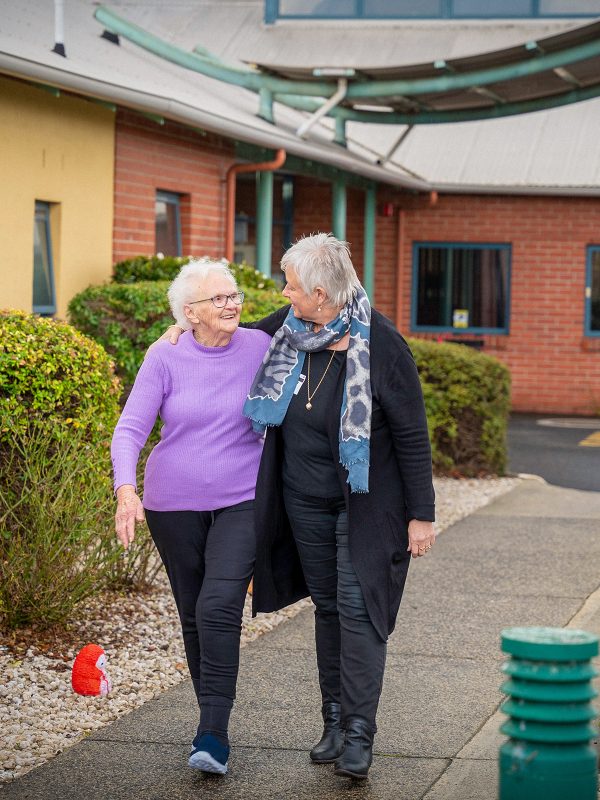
(171,335)
(129,511)
(421,536)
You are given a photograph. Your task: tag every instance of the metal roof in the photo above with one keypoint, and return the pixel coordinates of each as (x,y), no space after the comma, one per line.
(539,73)
(548,151)
(130,77)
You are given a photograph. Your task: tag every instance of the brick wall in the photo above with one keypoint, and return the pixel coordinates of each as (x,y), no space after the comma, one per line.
(173,158)
(555,369)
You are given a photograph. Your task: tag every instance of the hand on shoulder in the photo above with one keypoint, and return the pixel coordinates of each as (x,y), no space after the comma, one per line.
(171,335)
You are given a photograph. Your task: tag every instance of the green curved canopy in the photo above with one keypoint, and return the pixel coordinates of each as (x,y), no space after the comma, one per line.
(551,72)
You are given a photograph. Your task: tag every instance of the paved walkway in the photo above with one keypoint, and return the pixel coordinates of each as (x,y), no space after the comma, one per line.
(529,558)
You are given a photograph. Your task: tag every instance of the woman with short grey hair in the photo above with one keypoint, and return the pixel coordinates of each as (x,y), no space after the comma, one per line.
(345,474)
(199,483)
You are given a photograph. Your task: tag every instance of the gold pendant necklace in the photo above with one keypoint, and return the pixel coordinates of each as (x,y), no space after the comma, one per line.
(311,395)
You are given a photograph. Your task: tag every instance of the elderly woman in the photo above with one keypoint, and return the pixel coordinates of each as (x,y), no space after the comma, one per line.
(199,483)
(346,472)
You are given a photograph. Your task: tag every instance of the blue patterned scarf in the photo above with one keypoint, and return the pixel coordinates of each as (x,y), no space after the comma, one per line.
(274,384)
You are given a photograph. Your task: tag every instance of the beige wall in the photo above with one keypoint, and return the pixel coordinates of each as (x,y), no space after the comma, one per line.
(59,150)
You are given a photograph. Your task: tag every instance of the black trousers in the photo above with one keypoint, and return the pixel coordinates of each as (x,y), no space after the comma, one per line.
(350,653)
(209,558)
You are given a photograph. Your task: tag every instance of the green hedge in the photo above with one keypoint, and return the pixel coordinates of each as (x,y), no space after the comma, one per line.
(165,268)
(58,407)
(467,397)
(127,318)
(53,374)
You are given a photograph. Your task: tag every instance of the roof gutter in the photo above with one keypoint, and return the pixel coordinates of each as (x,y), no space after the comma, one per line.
(534,191)
(178,111)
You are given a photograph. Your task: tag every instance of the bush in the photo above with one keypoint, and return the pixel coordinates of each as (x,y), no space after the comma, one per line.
(57,546)
(165,268)
(127,318)
(51,373)
(467,397)
(58,406)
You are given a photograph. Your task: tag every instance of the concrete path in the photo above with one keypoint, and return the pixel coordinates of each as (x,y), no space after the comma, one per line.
(530,558)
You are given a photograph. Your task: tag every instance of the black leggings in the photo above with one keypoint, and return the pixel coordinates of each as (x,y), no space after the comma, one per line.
(350,653)
(209,557)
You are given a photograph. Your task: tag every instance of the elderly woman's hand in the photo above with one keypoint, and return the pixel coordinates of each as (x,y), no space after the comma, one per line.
(129,511)
(421,536)
(171,335)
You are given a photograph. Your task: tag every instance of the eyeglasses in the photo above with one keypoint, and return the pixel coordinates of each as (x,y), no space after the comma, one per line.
(220,300)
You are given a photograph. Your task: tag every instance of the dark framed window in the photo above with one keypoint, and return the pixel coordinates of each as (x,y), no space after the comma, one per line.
(44,295)
(592,292)
(461,287)
(427,9)
(168,223)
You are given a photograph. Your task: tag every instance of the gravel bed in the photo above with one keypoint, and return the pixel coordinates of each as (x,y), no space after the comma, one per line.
(40,715)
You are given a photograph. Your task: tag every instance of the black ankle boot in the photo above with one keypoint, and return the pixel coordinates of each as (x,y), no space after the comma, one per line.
(358,749)
(331,745)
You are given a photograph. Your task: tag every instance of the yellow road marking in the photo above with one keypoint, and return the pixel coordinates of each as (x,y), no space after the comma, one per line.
(593,440)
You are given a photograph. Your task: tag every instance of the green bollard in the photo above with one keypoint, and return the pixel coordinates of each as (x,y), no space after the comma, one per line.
(548,755)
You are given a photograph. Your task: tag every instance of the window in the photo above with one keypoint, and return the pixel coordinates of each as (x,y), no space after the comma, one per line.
(427,9)
(461,287)
(592,293)
(44,299)
(168,223)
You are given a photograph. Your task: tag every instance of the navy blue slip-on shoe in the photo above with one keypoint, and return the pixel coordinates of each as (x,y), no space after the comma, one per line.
(209,754)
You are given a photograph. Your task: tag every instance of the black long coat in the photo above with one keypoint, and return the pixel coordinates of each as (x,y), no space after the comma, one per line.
(400,487)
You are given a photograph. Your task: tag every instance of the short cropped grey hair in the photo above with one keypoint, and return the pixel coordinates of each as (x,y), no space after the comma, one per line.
(323,260)
(180,292)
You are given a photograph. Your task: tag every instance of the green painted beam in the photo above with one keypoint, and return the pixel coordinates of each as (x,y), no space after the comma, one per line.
(369,246)
(464,80)
(265,110)
(443,117)
(340,132)
(264,221)
(338,215)
(205,54)
(204,65)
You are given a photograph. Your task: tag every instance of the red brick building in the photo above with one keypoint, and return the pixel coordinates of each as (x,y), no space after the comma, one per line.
(486,233)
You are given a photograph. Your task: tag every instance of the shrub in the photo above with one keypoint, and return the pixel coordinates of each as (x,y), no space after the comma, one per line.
(57,547)
(127,318)
(165,268)
(52,373)
(467,397)
(58,406)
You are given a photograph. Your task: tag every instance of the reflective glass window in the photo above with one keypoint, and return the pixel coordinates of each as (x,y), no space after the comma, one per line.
(44,300)
(462,287)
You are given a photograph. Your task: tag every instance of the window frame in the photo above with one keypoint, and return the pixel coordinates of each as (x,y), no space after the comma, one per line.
(44,208)
(591,249)
(504,331)
(173,198)
(272,14)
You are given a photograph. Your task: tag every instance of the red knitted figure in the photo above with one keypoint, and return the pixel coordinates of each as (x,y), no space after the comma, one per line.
(88,676)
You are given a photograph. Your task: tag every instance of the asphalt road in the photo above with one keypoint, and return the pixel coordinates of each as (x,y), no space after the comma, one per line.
(554,451)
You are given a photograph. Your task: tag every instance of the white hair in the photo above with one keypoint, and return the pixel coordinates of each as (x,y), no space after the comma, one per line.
(181,291)
(323,260)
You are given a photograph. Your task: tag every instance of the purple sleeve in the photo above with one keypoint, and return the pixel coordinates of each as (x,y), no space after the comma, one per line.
(137,419)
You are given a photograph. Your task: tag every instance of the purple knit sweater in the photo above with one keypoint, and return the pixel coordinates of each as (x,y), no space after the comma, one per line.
(208,454)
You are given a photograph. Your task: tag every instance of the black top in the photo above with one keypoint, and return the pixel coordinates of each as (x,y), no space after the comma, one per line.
(308,464)
(400,487)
